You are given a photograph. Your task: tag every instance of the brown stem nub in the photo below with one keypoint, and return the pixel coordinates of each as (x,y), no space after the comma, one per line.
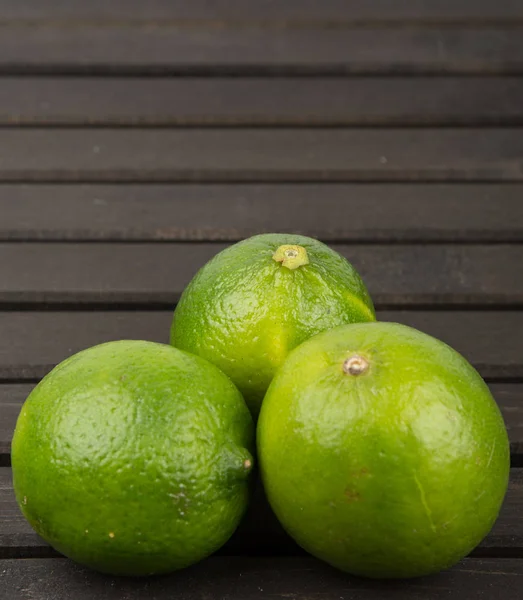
(355,365)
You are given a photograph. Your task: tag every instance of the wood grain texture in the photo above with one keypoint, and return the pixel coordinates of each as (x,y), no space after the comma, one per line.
(340,11)
(259,101)
(244,578)
(262,155)
(157,274)
(31,343)
(331,212)
(259,533)
(177,49)
(508,396)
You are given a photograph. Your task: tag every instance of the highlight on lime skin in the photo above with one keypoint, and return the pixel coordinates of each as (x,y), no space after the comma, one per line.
(291,256)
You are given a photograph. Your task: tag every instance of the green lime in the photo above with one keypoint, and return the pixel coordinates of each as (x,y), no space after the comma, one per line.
(382,451)
(258,299)
(133,458)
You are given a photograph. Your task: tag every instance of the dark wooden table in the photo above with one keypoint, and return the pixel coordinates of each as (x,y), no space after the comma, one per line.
(139,138)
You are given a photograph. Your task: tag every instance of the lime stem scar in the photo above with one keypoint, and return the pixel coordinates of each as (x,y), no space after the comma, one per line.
(355,365)
(291,256)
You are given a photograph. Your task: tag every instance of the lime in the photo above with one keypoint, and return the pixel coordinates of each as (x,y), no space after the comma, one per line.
(258,299)
(133,458)
(382,451)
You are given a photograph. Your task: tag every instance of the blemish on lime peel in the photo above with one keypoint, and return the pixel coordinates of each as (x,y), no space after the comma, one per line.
(291,256)
(355,365)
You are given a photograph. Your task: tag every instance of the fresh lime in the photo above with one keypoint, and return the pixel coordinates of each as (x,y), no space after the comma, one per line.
(382,451)
(258,299)
(133,458)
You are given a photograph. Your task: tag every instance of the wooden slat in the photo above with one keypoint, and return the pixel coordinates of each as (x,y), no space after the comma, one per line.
(260,532)
(11,400)
(165,48)
(156,274)
(31,343)
(261,101)
(345,11)
(243,578)
(476,335)
(331,212)
(510,400)
(61,334)
(262,155)
(508,396)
